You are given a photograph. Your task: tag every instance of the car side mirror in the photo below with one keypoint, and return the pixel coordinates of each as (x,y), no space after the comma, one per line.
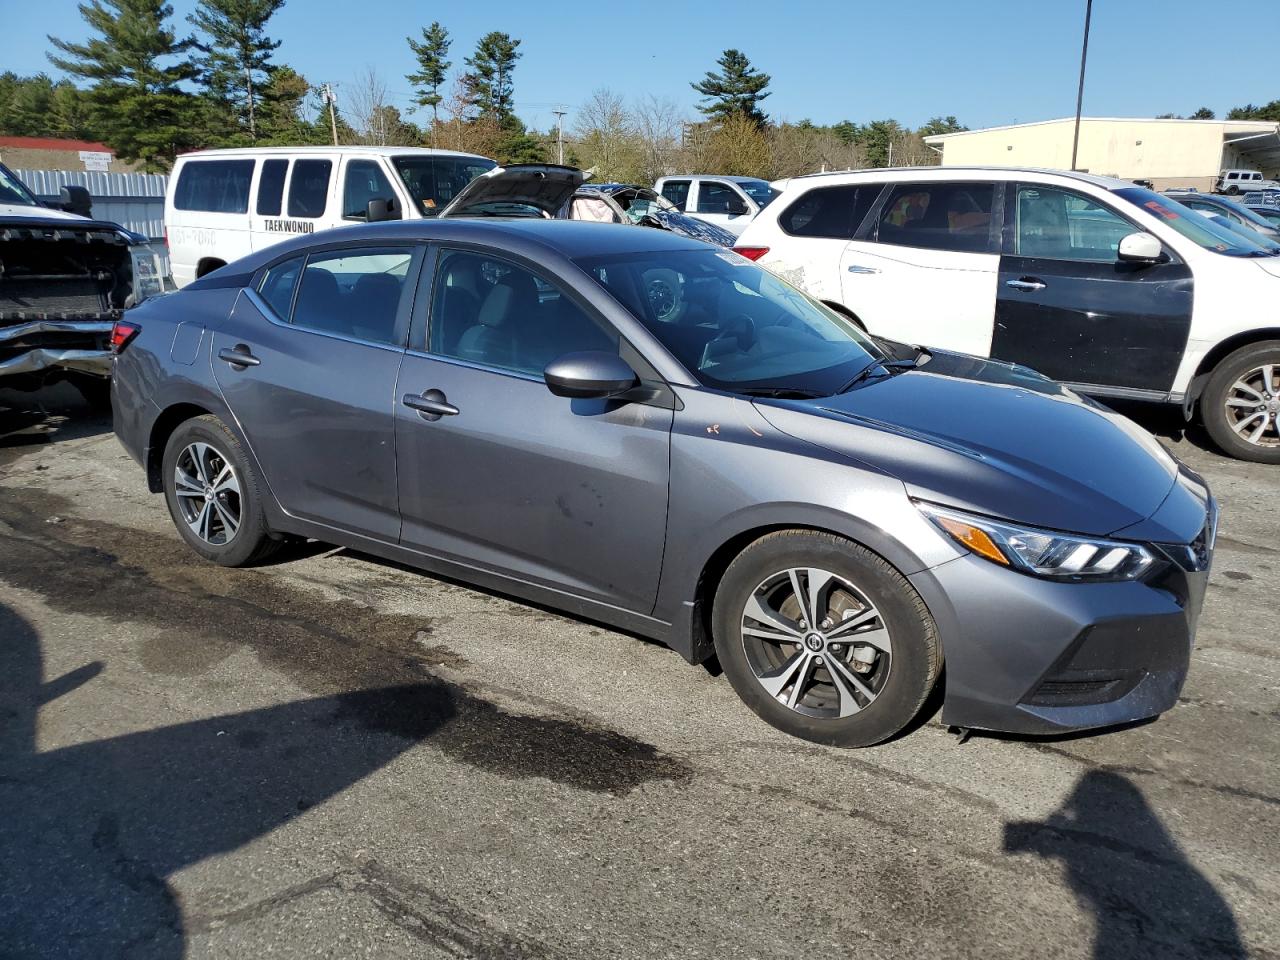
(379,210)
(75,199)
(589,374)
(736,207)
(1140,248)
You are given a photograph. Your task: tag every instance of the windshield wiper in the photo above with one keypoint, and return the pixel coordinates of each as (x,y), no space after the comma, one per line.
(782,393)
(886,368)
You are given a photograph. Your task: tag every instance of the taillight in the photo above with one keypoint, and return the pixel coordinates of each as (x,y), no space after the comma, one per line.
(751,253)
(122,335)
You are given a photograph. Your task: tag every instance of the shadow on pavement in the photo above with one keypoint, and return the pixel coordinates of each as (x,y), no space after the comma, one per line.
(90,833)
(1147,898)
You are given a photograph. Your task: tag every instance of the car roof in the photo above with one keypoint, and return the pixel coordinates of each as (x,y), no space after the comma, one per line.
(713,176)
(960,173)
(342,150)
(532,237)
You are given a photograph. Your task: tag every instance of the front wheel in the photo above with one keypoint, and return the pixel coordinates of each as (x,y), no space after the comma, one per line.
(1240,405)
(213,494)
(825,640)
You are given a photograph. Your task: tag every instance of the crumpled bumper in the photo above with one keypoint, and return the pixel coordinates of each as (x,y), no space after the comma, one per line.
(79,345)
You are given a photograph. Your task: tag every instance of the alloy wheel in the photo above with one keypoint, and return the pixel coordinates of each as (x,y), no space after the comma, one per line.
(1253,405)
(208,493)
(816,643)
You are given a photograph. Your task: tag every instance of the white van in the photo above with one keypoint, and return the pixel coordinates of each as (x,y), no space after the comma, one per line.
(224,204)
(1098,283)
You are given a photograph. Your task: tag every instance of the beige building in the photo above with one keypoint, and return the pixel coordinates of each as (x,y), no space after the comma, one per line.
(1169,153)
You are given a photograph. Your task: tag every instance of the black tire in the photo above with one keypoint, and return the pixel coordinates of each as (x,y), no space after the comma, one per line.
(250,542)
(1233,190)
(916,659)
(1220,388)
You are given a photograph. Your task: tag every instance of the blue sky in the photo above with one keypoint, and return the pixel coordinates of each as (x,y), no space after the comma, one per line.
(987,62)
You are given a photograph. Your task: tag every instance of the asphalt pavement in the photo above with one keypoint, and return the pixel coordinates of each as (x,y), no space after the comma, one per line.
(333,756)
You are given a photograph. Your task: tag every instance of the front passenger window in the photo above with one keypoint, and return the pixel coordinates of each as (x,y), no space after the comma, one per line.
(494,312)
(1062,225)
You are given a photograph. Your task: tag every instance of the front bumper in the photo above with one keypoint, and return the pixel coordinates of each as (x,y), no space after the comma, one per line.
(1026,655)
(35,345)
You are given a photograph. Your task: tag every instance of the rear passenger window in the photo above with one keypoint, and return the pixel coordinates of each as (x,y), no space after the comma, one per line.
(271,187)
(309,188)
(214,186)
(277,287)
(938,216)
(677,191)
(362,182)
(353,293)
(834,212)
(496,313)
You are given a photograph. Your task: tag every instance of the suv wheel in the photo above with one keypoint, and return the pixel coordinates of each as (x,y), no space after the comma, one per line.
(213,494)
(825,640)
(1241,403)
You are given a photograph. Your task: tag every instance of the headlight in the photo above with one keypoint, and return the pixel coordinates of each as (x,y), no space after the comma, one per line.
(148,278)
(1041,553)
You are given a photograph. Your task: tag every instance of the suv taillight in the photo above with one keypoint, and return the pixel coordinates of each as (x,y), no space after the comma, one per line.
(122,335)
(751,253)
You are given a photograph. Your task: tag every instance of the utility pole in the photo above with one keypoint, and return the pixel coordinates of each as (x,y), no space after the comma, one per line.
(333,117)
(1084,53)
(560,134)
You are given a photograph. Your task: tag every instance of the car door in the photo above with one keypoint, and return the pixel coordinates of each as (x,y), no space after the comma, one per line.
(307,362)
(819,224)
(923,268)
(570,494)
(721,203)
(1068,307)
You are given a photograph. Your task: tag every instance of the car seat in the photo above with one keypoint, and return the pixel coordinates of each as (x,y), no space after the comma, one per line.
(511,304)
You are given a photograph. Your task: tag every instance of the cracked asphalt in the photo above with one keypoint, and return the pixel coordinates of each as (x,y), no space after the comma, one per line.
(333,756)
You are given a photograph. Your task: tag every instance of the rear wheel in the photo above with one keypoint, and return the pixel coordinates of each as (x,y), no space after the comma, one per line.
(825,640)
(1240,405)
(213,494)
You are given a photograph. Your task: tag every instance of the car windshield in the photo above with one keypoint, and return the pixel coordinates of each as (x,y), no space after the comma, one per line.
(434,181)
(1198,229)
(759,191)
(14,191)
(1247,213)
(1242,229)
(735,326)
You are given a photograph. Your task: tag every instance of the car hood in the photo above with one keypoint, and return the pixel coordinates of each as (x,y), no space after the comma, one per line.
(545,186)
(993,438)
(687,226)
(21,211)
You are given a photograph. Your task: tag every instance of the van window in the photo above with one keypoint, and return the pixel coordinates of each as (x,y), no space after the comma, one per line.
(353,293)
(214,186)
(677,191)
(833,212)
(271,187)
(309,188)
(433,182)
(362,182)
(938,216)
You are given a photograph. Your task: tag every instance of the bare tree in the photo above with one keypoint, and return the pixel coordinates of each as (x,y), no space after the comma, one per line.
(657,125)
(367,108)
(607,138)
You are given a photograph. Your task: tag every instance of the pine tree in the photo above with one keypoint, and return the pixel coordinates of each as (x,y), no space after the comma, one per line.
(737,89)
(135,64)
(488,81)
(432,67)
(235,62)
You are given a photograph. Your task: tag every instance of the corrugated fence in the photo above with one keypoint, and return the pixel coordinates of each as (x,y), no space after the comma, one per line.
(133,200)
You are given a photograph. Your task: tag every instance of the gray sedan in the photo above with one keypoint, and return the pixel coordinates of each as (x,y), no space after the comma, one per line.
(655,433)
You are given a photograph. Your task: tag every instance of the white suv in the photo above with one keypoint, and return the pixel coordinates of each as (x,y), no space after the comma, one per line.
(223,204)
(1244,181)
(1104,285)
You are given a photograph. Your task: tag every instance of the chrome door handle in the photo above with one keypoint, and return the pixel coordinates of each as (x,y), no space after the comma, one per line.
(430,404)
(1026,284)
(238,356)
(858,268)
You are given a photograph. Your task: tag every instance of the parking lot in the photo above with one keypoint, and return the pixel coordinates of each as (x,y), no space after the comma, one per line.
(333,756)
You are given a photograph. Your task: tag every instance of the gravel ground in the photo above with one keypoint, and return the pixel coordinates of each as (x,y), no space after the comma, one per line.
(333,756)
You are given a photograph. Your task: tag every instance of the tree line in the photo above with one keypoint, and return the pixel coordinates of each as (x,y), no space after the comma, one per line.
(149,94)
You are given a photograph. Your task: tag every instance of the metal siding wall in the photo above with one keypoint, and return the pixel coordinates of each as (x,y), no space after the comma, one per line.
(133,200)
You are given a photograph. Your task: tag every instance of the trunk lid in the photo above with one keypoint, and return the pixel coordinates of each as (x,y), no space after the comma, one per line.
(518,190)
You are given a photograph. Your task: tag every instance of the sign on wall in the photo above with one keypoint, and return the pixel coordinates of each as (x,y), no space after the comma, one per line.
(95,160)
